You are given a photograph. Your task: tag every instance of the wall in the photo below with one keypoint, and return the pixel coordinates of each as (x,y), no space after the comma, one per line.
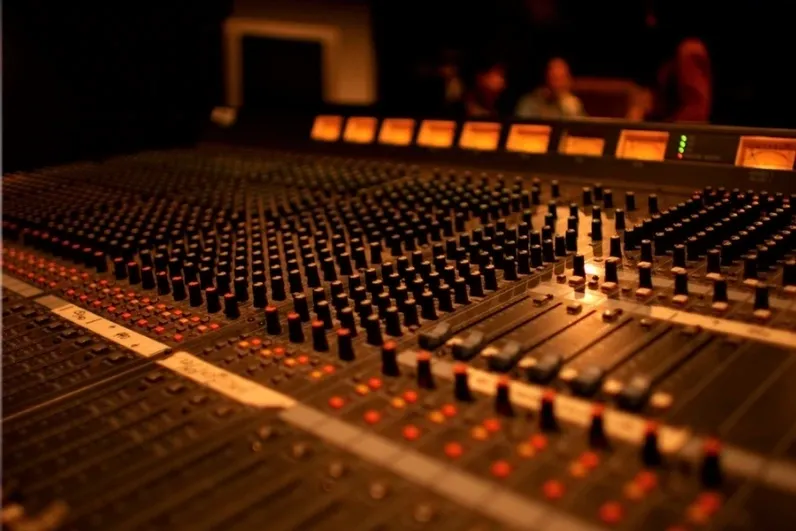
(356,78)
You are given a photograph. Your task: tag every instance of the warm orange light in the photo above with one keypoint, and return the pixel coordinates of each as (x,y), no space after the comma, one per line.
(396,131)
(327,128)
(436,133)
(581,145)
(360,129)
(766,153)
(525,138)
(482,136)
(642,145)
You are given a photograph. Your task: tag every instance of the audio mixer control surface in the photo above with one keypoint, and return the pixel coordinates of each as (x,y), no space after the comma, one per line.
(386,330)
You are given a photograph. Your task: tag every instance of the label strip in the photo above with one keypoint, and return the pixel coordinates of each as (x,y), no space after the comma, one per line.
(19,287)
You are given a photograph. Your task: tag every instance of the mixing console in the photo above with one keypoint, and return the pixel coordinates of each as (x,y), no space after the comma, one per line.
(363,334)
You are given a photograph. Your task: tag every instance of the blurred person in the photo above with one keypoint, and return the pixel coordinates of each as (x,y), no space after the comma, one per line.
(487,82)
(555,99)
(685,91)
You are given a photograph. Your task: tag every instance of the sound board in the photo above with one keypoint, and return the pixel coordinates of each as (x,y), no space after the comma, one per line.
(352,321)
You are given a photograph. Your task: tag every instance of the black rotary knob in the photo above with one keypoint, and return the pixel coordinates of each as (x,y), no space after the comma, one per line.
(294,329)
(345,345)
(133,273)
(586,195)
(427,308)
(213,302)
(178,288)
(596,230)
(761,296)
(195,294)
(272,325)
(278,288)
(259,295)
(720,290)
(611,274)
(389,359)
(652,202)
(231,306)
(490,278)
(319,341)
(681,283)
(119,268)
(615,246)
(392,322)
(579,266)
(147,277)
(373,330)
(410,312)
(645,275)
(630,201)
(679,256)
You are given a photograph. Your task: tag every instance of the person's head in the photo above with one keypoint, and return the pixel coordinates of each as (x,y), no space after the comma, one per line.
(558,77)
(489,79)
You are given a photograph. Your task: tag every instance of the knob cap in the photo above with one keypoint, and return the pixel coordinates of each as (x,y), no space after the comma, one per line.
(645,275)
(147,277)
(619,220)
(164,288)
(720,290)
(714,261)
(679,257)
(301,306)
(630,201)
(579,265)
(389,359)
(461,383)
(611,274)
(615,247)
(195,294)
(597,437)
(681,282)
(490,278)
(652,202)
(710,470)
(586,195)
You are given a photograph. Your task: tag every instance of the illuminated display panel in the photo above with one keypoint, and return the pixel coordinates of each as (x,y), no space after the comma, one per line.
(327,128)
(436,133)
(766,153)
(360,129)
(581,145)
(642,145)
(483,136)
(525,138)
(396,131)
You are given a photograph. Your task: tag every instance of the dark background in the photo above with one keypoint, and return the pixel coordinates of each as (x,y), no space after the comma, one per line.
(85,80)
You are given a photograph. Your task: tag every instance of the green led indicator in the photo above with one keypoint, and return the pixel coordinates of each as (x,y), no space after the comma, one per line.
(683,138)
(682,148)
(682,144)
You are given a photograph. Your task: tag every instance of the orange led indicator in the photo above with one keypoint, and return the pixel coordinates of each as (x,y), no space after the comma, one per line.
(327,128)
(481,136)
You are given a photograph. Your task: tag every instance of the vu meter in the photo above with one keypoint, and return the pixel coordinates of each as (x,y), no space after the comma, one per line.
(766,153)
(436,133)
(526,138)
(482,136)
(581,145)
(642,145)
(360,129)
(327,128)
